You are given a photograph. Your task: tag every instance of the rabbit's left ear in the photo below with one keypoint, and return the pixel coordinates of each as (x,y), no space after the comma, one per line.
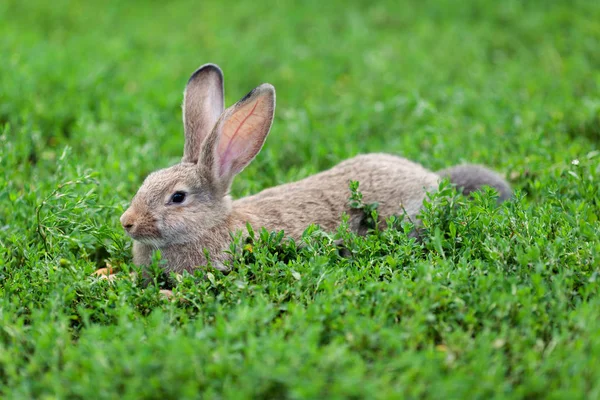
(202,106)
(239,134)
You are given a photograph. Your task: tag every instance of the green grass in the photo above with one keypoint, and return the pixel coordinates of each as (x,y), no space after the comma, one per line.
(494,302)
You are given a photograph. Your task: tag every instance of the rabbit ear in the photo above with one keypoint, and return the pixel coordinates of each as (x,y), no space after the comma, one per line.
(202,106)
(239,134)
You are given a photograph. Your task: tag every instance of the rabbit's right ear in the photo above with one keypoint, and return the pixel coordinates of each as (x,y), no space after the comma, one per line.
(203,103)
(239,135)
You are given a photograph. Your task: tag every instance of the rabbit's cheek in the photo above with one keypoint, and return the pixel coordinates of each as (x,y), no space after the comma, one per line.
(175,227)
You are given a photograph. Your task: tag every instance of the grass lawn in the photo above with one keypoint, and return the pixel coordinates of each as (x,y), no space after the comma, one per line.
(495,302)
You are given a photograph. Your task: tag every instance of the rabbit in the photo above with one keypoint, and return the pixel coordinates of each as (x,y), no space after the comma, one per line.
(186,212)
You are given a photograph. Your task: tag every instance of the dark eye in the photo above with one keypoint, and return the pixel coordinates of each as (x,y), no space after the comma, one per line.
(178,197)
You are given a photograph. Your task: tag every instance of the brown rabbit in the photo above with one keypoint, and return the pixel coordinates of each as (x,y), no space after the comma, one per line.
(186,210)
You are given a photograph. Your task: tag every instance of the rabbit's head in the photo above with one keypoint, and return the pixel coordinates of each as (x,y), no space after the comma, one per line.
(185,202)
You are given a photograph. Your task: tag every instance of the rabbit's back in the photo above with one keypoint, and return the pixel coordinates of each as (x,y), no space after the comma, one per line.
(396,184)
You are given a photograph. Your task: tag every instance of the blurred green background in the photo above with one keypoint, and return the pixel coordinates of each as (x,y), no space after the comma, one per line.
(438,82)
(90,103)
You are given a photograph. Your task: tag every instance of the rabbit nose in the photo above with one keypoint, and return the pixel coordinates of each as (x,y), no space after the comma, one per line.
(127,221)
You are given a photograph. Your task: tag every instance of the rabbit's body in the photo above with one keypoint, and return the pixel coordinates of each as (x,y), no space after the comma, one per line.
(397,184)
(185,211)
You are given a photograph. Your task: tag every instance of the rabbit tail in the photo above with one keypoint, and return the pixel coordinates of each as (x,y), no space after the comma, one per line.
(470,178)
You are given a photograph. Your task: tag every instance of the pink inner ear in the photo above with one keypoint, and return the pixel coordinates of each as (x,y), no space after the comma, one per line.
(241,138)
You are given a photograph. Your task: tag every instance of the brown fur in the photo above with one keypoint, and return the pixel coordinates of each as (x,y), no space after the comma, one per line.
(205,221)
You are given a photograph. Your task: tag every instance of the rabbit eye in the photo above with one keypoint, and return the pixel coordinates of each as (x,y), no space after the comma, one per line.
(178,197)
